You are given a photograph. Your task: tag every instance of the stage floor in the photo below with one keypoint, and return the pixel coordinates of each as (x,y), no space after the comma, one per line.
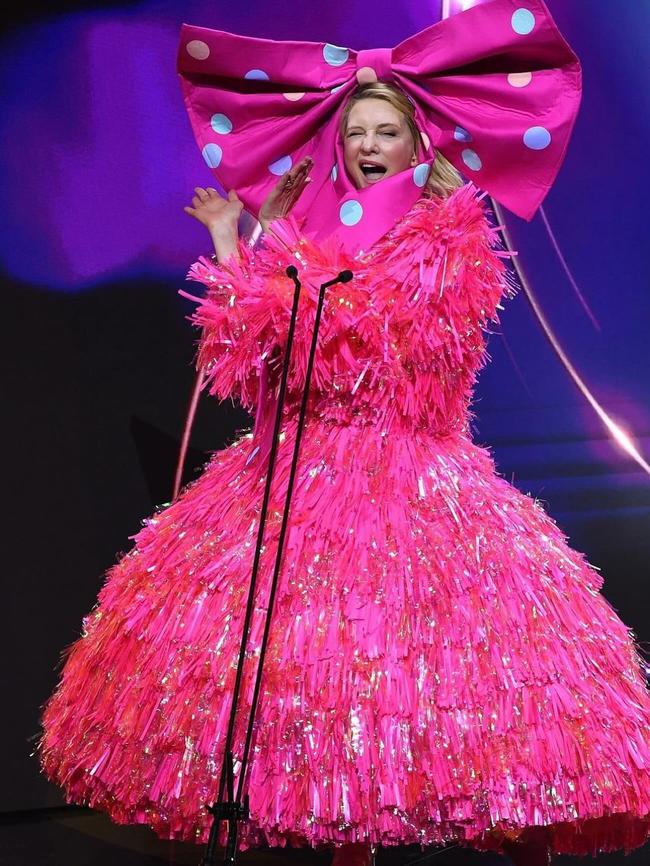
(80,837)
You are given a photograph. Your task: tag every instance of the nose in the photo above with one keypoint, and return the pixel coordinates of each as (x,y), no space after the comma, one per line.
(369,142)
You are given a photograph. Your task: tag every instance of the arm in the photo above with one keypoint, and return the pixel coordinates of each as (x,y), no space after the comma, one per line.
(454,278)
(220,216)
(244,315)
(241,321)
(225,243)
(440,278)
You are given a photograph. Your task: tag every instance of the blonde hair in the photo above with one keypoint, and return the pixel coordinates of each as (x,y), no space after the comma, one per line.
(444,178)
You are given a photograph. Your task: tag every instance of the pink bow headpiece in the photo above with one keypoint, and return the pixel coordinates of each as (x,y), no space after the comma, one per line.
(496,89)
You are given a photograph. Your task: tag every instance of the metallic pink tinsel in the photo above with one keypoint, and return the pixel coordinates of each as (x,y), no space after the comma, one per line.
(442,664)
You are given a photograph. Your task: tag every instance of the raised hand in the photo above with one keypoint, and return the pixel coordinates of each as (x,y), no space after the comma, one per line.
(214,211)
(220,216)
(286,192)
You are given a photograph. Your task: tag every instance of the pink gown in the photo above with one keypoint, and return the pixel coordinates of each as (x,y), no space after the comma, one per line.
(442,665)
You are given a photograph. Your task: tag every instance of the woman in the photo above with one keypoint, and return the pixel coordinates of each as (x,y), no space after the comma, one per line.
(380,140)
(441,665)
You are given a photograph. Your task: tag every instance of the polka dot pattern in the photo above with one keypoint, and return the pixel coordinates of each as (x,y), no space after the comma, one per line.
(350,212)
(523,21)
(212,154)
(198,49)
(537,138)
(366,75)
(421,174)
(523,113)
(256,75)
(281,165)
(335,55)
(461,134)
(221,124)
(520,79)
(472,159)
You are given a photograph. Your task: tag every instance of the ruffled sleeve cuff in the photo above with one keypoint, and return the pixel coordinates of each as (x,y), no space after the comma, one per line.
(244,316)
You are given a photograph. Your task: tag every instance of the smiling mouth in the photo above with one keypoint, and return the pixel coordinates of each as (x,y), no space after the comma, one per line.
(372,172)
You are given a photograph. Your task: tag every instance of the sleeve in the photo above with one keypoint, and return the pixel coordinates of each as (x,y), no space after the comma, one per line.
(454,280)
(245,313)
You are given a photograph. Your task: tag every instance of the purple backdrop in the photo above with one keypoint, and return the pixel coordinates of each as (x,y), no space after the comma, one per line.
(98,161)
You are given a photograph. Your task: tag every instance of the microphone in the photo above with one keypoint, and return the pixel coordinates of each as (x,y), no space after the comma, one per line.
(292,273)
(342,277)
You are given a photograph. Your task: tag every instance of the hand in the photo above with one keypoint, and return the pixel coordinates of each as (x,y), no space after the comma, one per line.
(219,215)
(286,192)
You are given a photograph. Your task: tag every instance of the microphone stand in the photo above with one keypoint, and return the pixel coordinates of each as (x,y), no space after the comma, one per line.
(228,806)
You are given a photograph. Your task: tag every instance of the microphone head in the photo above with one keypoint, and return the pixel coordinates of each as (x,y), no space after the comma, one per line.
(292,272)
(345,276)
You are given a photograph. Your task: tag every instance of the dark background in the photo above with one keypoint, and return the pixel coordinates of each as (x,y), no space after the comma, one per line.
(98,160)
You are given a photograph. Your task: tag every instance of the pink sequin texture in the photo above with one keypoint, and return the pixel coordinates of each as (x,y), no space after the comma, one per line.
(442,663)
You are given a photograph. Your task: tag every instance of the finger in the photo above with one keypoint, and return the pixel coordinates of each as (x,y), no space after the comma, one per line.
(298,193)
(303,181)
(298,175)
(302,167)
(291,179)
(301,171)
(189,210)
(232,195)
(298,184)
(292,196)
(306,163)
(211,191)
(305,184)
(201,193)
(197,202)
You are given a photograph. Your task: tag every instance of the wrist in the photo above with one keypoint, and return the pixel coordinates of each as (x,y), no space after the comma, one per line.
(225,246)
(221,232)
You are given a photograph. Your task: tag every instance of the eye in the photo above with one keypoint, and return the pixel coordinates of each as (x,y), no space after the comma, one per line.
(391,134)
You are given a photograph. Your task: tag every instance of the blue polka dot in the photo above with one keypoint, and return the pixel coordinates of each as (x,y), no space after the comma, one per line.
(537,138)
(334,55)
(472,159)
(421,174)
(350,212)
(337,88)
(461,134)
(523,21)
(281,165)
(334,173)
(221,124)
(256,75)
(212,154)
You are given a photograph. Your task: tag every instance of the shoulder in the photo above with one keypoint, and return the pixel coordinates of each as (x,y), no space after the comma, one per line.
(441,222)
(463,207)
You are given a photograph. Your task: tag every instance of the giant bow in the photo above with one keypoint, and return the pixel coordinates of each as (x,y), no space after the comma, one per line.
(496,89)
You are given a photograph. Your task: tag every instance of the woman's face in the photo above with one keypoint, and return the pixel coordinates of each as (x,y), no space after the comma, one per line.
(377,142)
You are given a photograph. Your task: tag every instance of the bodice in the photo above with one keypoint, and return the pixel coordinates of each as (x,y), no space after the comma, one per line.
(398,346)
